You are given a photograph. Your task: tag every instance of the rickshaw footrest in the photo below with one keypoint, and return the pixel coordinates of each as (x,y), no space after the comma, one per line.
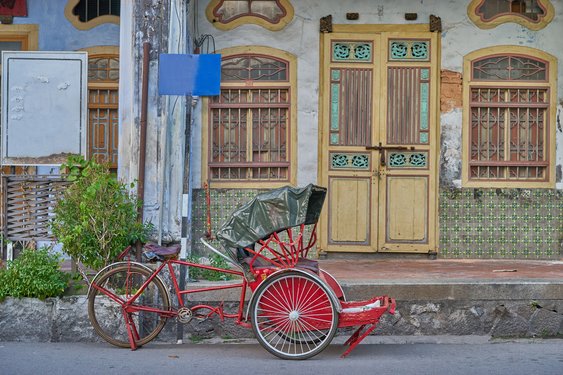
(358,336)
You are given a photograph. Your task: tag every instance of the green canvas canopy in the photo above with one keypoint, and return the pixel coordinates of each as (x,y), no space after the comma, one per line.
(270,212)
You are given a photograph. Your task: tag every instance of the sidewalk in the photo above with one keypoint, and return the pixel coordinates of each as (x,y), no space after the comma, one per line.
(355,268)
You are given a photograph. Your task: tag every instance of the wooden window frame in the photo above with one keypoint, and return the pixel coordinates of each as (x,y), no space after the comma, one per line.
(510,17)
(550,87)
(93,52)
(249,18)
(290,85)
(28,35)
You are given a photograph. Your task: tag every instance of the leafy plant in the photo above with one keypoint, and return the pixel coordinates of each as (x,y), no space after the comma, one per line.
(204,274)
(35,273)
(97,216)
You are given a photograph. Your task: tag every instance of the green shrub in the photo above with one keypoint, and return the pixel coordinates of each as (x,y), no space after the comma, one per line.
(203,274)
(35,273)
(96,219)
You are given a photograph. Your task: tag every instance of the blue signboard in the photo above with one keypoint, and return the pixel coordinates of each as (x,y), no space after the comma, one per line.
(182,74)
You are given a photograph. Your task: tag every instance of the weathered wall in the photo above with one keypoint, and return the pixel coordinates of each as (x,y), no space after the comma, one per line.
(459,37)
(475,230)
(56,33)
(163,25)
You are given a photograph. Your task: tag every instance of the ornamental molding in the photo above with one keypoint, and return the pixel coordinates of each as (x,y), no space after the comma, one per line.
(476,14)
(213,14)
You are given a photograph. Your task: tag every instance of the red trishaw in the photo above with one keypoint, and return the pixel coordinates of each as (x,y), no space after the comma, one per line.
(295,308)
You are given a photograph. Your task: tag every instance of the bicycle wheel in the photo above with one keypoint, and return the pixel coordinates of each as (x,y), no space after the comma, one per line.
(293,316)
(106,313)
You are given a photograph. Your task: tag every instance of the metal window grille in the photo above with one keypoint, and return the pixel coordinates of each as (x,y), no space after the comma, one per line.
(509,134)
(509,119)
(249,135)
(254,68)
(87,10)
(249,127)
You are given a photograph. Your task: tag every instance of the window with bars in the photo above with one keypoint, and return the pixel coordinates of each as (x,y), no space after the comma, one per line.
(103,119)
(87,10)
(250,122)
(86,14)
(508,132)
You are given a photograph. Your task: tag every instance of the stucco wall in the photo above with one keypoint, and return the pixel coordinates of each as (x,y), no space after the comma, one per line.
(56,33)
(459,37)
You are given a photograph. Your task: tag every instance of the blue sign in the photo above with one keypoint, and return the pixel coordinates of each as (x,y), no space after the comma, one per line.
(182,74)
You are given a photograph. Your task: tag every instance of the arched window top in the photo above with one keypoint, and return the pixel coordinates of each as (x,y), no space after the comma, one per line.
(270,14)
(533,14)
(509,67)
(103,68)
(254,67)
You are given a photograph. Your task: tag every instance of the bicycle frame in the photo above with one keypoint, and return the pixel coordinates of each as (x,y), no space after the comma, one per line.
(270,262)
(129,306)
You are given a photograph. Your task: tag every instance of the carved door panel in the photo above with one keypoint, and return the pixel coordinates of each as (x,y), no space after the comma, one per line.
(378,134)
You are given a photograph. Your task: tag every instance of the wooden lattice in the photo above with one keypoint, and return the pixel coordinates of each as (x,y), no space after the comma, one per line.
(28,203)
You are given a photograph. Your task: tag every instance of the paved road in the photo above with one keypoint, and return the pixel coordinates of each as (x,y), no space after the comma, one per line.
(525,357)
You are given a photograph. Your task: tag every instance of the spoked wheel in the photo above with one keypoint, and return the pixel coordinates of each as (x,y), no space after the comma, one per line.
(105,307)
(293,316)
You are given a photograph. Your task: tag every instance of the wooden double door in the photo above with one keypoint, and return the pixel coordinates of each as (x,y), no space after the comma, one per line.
(379,128)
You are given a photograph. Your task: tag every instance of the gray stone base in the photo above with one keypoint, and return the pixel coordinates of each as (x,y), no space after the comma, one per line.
(489,309)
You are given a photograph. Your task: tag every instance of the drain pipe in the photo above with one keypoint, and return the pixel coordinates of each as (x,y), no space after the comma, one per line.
(143,138)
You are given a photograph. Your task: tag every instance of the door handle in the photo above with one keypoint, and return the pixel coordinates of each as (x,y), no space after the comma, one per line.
(380,147)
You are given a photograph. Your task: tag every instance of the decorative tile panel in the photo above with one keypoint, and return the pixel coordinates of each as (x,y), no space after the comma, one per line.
(352,51)
(334,105)
(409,50)
(349,161)
(407,160)
(474,223)
(423,137)
(334,139)
(501,223)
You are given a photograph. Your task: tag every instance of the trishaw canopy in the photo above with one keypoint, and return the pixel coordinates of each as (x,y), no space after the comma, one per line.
(270,212)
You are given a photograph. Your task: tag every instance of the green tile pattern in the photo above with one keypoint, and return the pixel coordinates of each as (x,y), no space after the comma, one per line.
(223,203)
(501,223)
(474,223)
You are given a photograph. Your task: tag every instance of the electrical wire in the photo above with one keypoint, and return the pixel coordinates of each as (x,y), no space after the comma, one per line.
(207,40)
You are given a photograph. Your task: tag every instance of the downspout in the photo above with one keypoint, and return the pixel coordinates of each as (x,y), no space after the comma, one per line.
(143,139)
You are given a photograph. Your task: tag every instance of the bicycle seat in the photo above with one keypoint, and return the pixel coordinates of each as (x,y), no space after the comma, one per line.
(154,252)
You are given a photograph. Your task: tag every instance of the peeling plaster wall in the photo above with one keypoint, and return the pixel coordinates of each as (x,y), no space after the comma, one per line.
(162,23)
(459,37)
(450,143)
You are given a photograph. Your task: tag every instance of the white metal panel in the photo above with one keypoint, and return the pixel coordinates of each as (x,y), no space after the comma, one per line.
(44,106)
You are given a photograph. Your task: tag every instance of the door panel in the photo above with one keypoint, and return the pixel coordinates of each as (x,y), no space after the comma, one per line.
(350,216)
(378,131)
(407,206)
